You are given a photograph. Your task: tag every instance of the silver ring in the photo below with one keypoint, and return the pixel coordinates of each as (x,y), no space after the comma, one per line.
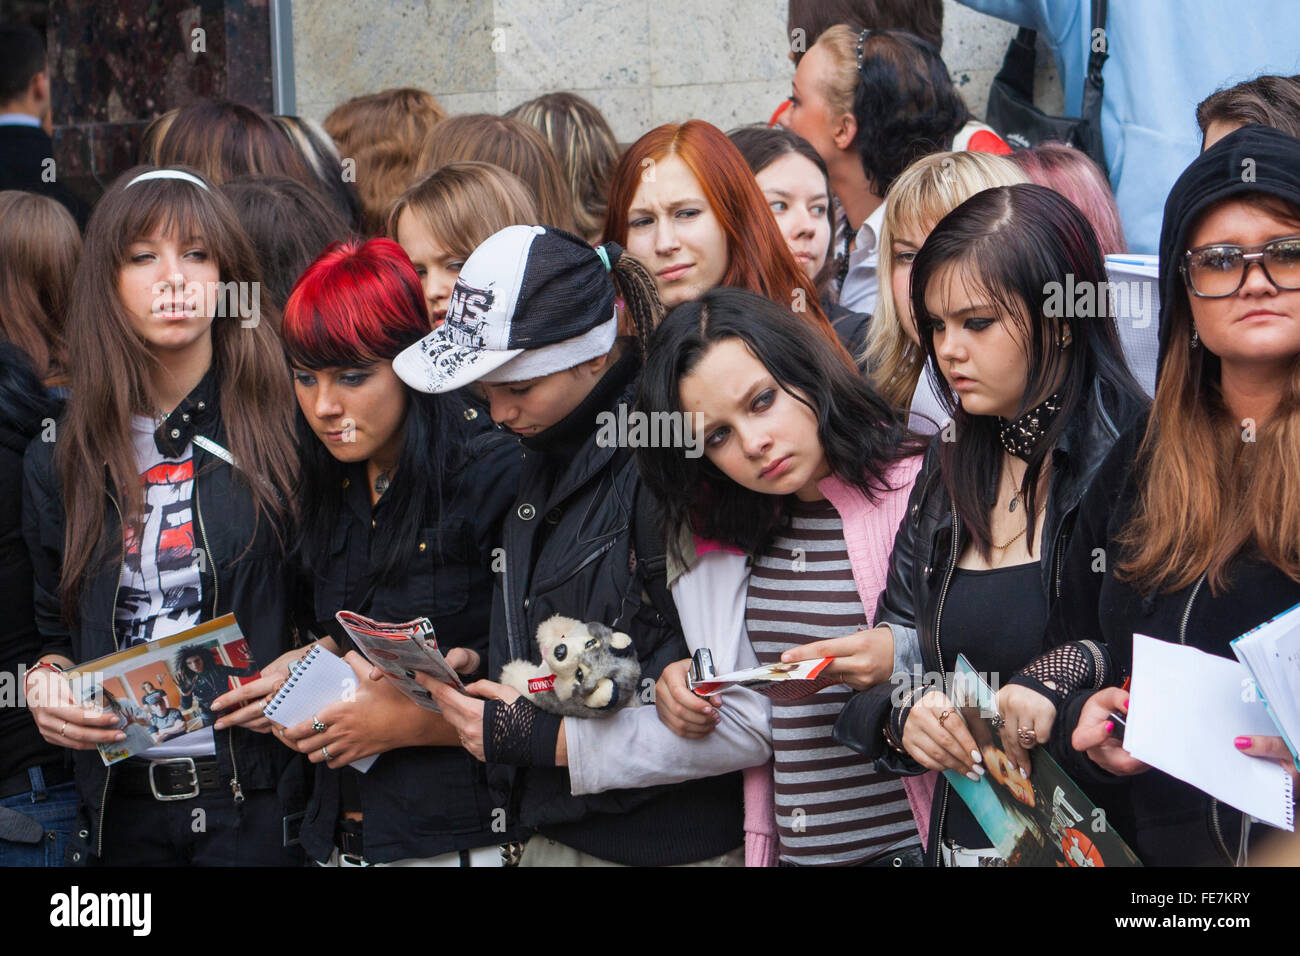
(317,726)
(325,752)
(998,721)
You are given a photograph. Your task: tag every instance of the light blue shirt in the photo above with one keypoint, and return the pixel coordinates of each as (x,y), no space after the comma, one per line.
(1165,57)
(19,119)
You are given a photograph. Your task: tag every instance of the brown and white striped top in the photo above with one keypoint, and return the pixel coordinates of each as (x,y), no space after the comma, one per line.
(832,807)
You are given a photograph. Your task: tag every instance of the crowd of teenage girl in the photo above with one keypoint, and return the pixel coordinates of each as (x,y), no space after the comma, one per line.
(906,457)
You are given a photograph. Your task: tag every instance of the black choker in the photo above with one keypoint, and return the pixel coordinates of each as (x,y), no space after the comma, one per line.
(1021,436)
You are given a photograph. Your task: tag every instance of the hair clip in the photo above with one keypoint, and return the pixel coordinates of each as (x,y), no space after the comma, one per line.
(862,38)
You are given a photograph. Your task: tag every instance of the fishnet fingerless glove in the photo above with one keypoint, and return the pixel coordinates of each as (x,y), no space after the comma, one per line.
(1061,671)
(519,734)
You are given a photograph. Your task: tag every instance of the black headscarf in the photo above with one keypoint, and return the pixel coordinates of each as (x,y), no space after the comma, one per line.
(1253,159)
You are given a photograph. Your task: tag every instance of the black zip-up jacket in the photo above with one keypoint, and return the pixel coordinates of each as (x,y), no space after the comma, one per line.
(1165,821)
(420,801)
(924,557)
(20,641)
(254,582)
(568,544)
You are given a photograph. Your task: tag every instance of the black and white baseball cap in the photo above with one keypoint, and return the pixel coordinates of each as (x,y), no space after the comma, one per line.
(528,302)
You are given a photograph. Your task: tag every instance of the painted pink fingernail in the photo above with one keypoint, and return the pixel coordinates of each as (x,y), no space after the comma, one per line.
(1242,743)
(1110,726)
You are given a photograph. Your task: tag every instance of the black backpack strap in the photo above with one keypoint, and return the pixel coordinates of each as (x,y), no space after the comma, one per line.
(651,549)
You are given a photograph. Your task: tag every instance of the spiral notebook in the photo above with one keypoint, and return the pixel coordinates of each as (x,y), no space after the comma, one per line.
(315,682)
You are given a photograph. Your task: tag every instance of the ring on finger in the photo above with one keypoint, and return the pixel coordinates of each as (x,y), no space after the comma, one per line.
(1027,736)
(998,721)
(63,728)
(325,753)
(317,725)
(944,716)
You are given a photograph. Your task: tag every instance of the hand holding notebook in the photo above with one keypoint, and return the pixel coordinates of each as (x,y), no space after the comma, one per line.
(317,681)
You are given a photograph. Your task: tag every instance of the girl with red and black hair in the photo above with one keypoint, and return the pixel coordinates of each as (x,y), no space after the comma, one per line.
(685,204)
(401,496)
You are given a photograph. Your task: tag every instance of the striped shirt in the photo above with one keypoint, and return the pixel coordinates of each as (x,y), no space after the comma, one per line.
(832,806)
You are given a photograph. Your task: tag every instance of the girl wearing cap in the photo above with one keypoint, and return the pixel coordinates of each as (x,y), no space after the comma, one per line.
(442,218)
(1197,509)
(807,469)
(164,503)
(701,221)
(402,495)
(532,321)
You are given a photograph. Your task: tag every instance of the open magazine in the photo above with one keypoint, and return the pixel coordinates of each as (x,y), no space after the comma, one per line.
(1043,821)
(778,681)
(399,650)
(164,689)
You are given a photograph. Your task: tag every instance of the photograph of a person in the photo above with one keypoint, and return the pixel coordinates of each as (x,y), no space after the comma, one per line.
(1040,820)
(204,672)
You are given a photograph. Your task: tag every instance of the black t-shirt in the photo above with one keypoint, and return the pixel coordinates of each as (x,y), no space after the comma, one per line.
(996,618)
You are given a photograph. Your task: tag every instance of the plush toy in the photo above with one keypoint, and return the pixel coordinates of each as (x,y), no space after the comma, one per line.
(587,670)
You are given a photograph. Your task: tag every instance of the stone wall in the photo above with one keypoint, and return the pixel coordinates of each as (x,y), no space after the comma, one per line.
(642,62)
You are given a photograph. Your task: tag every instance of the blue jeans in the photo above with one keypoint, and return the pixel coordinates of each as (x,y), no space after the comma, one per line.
(56,811)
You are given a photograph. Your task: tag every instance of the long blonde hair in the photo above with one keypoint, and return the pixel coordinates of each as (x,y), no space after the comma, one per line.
(926,191)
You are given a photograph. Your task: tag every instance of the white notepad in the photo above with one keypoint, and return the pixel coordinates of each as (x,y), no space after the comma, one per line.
(1185,708)
(319,680)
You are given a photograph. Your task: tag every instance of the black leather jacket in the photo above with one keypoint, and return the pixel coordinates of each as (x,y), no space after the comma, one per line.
(568,546)
(924,557)
(419,801)
(253,581)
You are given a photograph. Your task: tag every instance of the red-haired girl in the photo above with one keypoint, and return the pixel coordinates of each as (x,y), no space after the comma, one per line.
(402,493)
(685,204)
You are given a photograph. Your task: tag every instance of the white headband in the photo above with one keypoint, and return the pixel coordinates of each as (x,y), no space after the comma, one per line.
(168,174)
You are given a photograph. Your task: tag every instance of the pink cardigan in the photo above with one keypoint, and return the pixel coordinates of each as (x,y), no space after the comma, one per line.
(869,530)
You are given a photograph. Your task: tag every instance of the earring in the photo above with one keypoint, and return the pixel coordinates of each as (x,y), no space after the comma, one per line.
(1196,339)
(1066,338)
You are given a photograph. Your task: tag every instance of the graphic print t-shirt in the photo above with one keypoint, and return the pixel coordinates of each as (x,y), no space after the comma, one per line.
(160,590)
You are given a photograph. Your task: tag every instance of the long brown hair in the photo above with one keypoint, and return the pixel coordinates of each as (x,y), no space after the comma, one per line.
(514,146)
(111,381)
(39,246)
(383,133)
(226,140)
(1205,494)
(462,204)
(585,147)
(758,258)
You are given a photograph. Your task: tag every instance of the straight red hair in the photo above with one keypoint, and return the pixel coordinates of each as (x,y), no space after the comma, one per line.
(358,303)
(758,258)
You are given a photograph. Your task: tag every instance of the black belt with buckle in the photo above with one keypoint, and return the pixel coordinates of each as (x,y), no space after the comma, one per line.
(176,778)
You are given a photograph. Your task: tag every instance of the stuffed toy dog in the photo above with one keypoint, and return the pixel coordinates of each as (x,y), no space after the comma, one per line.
(587,670)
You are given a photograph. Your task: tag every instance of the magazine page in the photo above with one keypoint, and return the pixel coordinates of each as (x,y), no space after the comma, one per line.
(399,650)
(779,681)
(164,689)
(1043,821)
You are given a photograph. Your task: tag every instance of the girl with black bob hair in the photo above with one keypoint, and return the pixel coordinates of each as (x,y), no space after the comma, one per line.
(1039,392)
(803,463)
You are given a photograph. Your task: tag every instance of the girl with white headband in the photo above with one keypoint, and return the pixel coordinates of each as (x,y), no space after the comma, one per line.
(163,503)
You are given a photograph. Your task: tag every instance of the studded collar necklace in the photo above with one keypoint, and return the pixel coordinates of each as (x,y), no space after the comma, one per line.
(1021,436)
